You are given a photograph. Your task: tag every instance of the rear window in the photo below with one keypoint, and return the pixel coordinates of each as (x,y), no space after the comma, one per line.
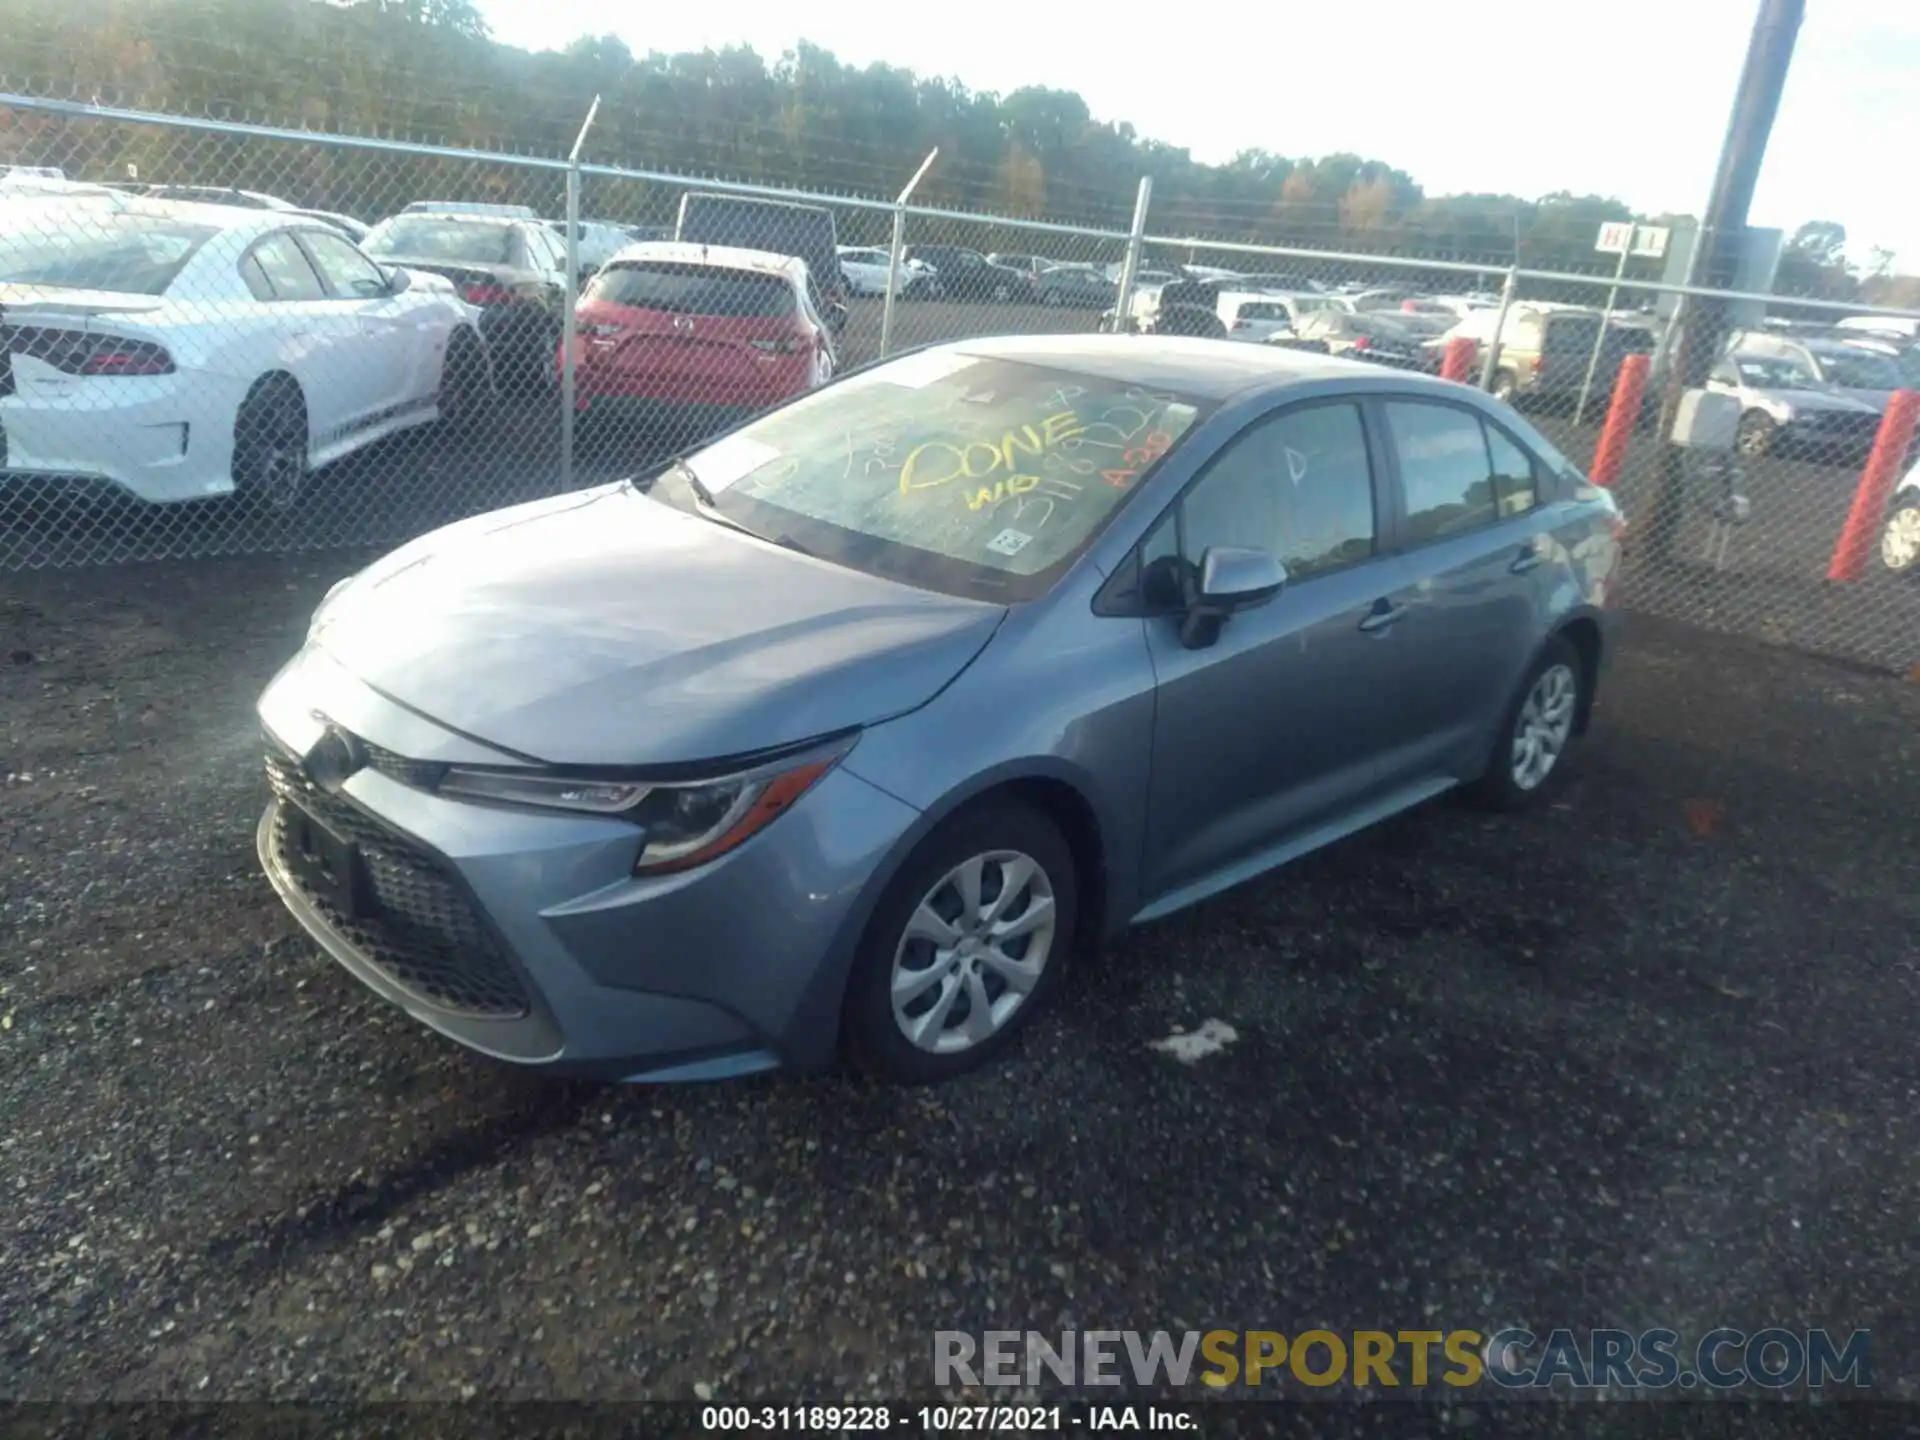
(431,238)
(693,289)
(124,254)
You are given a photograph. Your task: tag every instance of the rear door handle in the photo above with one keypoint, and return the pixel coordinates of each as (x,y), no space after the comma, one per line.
(1527,559)
(1383,616)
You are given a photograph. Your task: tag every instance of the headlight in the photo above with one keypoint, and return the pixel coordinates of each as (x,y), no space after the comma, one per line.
(685,823)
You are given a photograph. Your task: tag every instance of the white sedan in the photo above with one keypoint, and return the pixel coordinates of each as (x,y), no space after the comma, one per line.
(866,271)
(178,350)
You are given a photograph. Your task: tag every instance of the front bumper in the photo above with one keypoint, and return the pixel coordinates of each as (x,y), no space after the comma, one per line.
(523,934)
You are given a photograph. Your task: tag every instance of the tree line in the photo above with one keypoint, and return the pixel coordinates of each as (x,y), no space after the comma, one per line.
(426,70)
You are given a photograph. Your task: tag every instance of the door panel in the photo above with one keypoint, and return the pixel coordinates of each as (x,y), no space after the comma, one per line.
(1473,575)
(1290,718)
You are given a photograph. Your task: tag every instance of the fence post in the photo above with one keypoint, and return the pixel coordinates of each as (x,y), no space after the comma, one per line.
(896,251)
(1492,361)
(569,327)
(1123,297)
(1869,510)
(1606,324)
(1622,415)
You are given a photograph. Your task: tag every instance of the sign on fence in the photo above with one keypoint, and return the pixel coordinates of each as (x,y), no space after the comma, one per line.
(1624,237)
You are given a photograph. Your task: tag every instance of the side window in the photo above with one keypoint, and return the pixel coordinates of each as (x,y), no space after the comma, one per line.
(1445,471)
(285,267)
(258,285)
(1516,488)
(348,273)
(1298,485)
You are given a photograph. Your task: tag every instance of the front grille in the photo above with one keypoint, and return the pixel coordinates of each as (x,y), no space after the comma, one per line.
(420,774)
(422,931)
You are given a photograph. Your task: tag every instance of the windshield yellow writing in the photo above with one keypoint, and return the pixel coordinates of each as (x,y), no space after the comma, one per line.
(941,462)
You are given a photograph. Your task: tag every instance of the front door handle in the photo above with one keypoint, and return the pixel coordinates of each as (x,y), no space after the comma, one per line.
(1527,559)
(1383,616)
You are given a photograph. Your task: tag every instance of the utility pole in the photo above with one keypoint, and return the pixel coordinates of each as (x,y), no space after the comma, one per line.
(1717,246)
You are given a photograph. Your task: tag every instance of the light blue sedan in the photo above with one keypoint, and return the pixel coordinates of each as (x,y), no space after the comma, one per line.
(845,733)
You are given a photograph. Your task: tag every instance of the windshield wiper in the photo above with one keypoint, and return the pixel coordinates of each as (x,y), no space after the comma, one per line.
(710,509)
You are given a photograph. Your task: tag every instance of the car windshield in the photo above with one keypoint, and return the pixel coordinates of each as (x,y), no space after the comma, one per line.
(1768,374)
(429,237)
(1860,370)
(952,472)
(690,289)
(126,254)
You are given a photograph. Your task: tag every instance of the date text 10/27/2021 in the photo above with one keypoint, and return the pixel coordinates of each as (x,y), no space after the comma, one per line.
(946,1419)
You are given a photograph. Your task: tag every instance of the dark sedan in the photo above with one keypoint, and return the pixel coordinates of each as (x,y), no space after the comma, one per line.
(1079,287)
(1371,337)
(512,270)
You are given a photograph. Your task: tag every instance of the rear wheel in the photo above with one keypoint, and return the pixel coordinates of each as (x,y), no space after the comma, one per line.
(966,946)
(271,461)
(1529,752)
(466,381)
(1002,292)
(1050,297)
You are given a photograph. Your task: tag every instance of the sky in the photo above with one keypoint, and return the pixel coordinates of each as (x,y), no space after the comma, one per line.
(1627,98)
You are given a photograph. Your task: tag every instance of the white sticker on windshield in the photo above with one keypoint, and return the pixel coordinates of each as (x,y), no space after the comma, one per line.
(1009,542)
(728,461)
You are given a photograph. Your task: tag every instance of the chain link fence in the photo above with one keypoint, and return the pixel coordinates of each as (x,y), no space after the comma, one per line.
(223,338)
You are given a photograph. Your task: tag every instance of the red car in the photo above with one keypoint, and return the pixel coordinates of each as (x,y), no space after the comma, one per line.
(700,331)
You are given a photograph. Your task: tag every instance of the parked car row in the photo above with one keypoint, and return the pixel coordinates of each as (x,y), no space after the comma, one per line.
(191,341)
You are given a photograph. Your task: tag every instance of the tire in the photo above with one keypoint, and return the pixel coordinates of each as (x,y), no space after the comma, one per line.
(1548,706)
(1755,434)
(997,836)
(1002,292)
(1900,539)
(1506,385)
(271,460)
(466,381)
(1050,298)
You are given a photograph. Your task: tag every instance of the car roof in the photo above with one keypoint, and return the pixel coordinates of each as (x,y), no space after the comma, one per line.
(688,252)
(465,217)
(234,218)
(1212,370)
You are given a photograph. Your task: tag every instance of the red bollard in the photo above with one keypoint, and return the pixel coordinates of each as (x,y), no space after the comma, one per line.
(1876,484)
(1622,414)
(1456,361)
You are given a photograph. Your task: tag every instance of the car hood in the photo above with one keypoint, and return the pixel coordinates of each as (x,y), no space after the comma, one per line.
(606,628)
(1806,400)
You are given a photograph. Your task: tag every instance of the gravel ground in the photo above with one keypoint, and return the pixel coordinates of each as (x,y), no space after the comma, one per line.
(1642,1058)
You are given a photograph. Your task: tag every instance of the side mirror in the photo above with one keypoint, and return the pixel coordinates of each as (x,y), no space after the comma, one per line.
(397,280)
(1231,578)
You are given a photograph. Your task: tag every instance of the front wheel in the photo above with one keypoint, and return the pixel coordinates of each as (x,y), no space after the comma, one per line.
(1002,292)
(1050,298)
(1506,385)
(1755,434)
(966,946)
(1900,540)
(1529,752)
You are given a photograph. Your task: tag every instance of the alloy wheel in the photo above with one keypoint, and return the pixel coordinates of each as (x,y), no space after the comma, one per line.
(1541,730)
(1900,541)
(973,951)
